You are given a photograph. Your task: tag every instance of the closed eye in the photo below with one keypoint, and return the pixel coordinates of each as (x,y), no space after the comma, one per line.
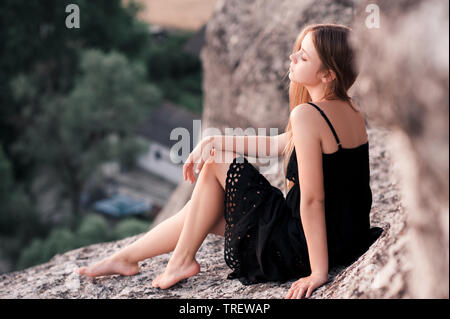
(301,55)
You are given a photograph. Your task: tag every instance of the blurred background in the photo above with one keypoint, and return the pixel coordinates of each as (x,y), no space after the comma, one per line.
(86,115)
(85,118)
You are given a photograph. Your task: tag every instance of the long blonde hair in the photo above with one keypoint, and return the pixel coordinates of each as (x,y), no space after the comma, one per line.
(335,53)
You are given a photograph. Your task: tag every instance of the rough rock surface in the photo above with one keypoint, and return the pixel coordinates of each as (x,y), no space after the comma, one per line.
(372,275)
(403,91)
(405,81)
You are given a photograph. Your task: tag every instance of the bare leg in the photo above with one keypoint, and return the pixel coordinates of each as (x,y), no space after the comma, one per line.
(159,240)
(206,211)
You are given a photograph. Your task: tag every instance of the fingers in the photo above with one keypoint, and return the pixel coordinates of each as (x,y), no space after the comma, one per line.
(297,291)
(308,293)
(188,168)
(199,167)
(289,294)
(191,173)
(202,162)
(212,153)
(206,153)
(184,171)
(292,291)
(187,172)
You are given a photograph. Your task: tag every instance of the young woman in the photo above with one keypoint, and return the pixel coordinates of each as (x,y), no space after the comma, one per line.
(269,237)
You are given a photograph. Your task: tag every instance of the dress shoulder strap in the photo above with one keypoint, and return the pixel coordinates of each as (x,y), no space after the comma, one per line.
(329,123)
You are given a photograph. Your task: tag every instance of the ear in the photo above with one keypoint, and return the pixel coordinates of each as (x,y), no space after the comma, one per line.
(328,76)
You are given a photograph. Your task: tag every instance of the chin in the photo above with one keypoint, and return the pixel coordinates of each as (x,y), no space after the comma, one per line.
(292,78)
(295,81)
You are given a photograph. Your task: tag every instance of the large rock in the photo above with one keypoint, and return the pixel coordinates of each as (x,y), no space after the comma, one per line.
(403,91)
(404,82)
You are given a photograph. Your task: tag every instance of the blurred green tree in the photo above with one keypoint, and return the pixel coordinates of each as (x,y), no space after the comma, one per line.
(19,221)
(35,40)
(177,73)
(130,227)
(93,124)
(92,229)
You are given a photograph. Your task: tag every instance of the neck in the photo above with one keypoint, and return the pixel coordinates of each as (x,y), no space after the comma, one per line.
(316,92)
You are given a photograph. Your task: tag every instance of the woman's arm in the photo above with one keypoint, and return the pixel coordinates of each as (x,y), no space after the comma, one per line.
(254,145)
(310,175)
(314,226)
(312,203)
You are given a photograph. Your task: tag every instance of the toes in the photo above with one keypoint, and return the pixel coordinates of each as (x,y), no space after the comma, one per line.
(80,271)
(155,281)
(165,285)
(165,282)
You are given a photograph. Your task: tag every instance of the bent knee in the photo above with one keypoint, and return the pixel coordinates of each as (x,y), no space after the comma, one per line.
(210,162)
(224,157)
(220,161)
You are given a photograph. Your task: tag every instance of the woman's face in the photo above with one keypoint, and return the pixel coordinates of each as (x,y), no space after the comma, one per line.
(305,63)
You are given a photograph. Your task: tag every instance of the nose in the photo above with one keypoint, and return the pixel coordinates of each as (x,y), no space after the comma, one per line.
(292,57)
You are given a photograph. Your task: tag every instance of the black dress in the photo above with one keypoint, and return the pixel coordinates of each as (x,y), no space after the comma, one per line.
(264,238)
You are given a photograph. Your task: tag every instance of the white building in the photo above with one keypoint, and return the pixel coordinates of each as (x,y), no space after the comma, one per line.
(156,129)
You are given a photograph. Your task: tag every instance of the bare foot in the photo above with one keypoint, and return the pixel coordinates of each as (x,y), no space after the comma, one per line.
(109,266)
(175,273)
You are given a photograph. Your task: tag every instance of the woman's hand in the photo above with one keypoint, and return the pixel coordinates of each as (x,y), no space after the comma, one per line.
(198,156)
(306,284)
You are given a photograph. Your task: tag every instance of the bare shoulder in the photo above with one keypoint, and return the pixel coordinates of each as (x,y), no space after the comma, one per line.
(305,120)
(302,112)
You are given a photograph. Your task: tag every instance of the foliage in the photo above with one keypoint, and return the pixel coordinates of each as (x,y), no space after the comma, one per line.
(95,123)
(93,229)
(19,222)
(36,41)
(130,227)
(40,251)
(166,59)
(176,72)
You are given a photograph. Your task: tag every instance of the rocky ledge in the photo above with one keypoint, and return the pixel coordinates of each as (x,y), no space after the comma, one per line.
(379,273)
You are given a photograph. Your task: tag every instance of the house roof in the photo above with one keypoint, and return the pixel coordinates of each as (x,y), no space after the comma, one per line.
(195,43)
(163,119)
